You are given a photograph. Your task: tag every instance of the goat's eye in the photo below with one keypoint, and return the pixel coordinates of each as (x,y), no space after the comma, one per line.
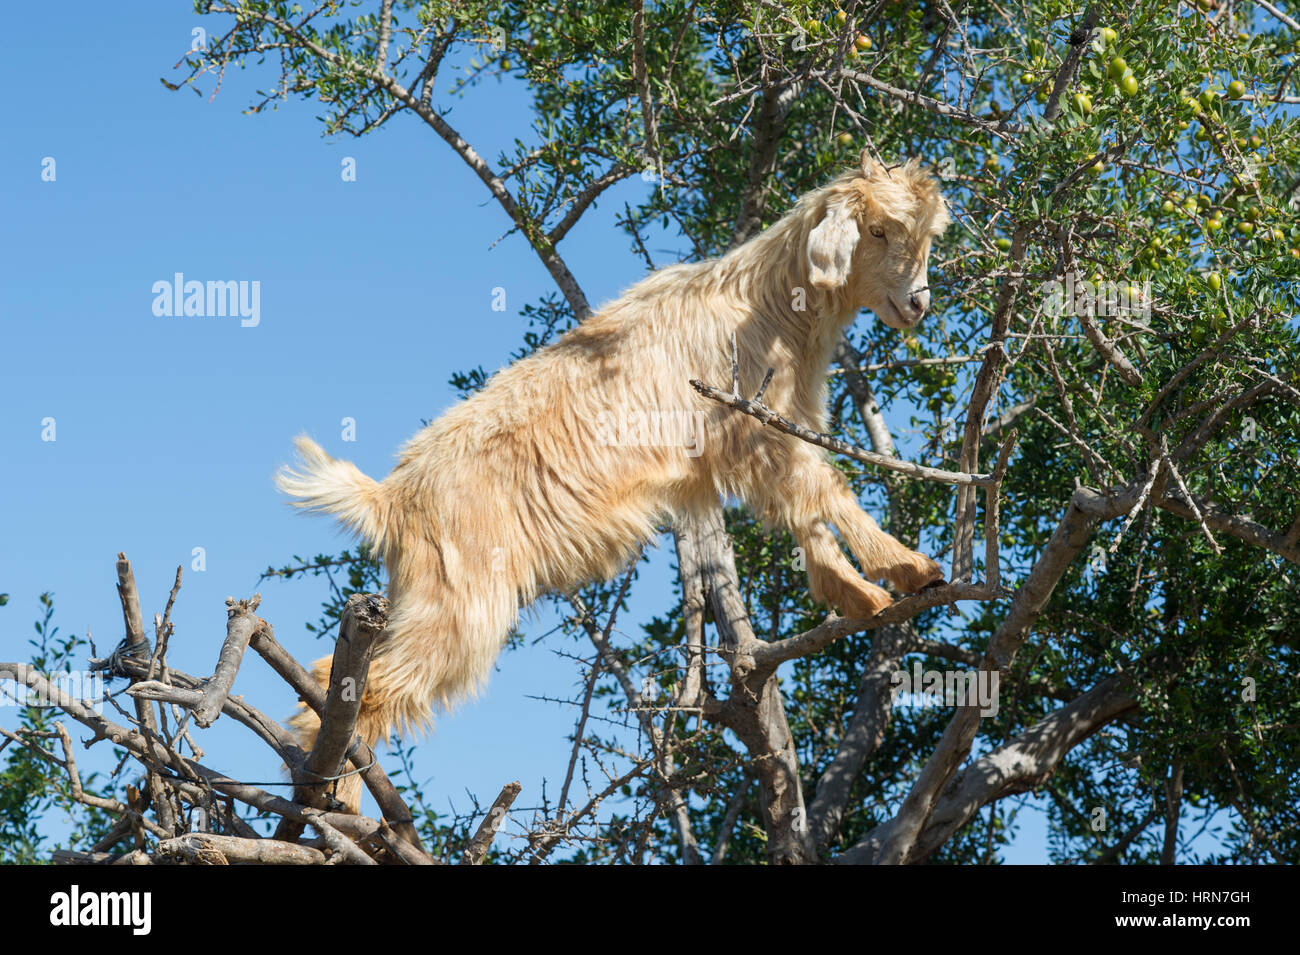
(878,232)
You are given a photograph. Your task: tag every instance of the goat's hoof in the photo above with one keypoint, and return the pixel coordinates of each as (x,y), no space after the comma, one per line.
(916,574)
(864,600)
(933,584)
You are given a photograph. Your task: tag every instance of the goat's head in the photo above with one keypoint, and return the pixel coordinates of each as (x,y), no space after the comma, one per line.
(872,242)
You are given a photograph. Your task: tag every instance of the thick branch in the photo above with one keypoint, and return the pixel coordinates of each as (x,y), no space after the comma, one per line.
(1173,808)
(754,711)
(1087,508)
(205,848)
(361,623)
(768,127)
(863,735)
(1025,762)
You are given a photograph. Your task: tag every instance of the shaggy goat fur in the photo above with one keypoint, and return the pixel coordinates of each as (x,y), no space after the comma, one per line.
(552,476)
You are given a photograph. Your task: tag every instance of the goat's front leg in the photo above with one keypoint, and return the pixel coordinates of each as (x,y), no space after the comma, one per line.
(811,491)
(879,554)
(832,579)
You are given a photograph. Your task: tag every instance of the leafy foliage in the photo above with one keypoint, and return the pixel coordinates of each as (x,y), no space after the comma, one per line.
(30,787)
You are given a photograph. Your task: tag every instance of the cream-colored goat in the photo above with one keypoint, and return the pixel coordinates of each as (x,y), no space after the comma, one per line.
(551,477)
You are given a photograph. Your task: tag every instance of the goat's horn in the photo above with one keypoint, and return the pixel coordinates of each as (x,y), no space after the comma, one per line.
(867,163)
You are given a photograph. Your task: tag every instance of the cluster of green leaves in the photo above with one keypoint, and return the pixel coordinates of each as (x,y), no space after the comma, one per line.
(31,787)
(1196,622)
(1134,226)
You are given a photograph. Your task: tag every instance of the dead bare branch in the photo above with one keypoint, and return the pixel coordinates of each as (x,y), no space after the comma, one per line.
(478,847)
(240,625)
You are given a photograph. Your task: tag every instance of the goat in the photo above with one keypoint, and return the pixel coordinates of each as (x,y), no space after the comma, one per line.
(529,486)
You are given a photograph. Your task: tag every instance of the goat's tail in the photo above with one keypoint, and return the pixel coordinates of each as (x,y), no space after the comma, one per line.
(336,487)
(443,632)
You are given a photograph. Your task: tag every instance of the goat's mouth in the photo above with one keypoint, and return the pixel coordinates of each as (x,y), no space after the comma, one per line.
(897,318)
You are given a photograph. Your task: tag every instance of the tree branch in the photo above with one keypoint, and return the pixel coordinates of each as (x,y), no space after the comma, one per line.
(360,624)
(240,624)
(478,847)
(897,838)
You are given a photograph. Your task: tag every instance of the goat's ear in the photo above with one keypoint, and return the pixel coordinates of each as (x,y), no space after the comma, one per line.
(830,246)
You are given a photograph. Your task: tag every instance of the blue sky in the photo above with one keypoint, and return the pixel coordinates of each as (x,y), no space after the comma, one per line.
(168,429)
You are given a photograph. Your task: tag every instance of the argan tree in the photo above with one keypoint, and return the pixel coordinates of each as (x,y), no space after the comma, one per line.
(1105,397)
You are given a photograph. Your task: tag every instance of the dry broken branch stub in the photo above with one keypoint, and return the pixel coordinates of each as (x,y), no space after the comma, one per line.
(135,646)
(394,808)
(478,847)
(360,625)
(130,597)
(240,625)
